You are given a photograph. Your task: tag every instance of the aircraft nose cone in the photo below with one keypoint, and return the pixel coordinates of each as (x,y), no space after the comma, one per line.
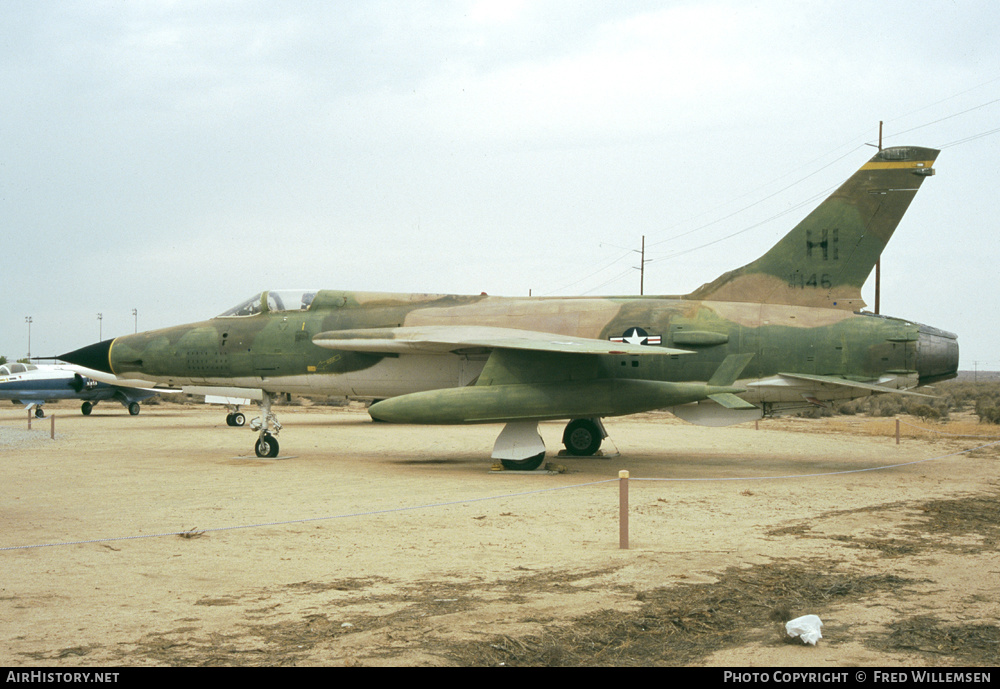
(95,356)
(937,355)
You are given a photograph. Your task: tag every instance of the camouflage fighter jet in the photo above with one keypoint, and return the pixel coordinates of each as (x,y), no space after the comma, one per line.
(779,334)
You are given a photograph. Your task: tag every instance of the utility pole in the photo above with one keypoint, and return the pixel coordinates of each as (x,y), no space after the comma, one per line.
(135,315)
(878,261)
(100,327)
(642,267)
(29,321)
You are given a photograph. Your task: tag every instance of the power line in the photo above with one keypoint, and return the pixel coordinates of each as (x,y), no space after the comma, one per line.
(730,215)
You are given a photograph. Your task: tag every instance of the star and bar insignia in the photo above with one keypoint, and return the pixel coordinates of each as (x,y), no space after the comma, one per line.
(637,336)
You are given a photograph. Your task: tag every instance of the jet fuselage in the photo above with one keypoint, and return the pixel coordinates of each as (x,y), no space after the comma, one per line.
(273,349)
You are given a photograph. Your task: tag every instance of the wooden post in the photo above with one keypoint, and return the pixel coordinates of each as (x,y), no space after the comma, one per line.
(52,433)
(30,414)
(897,431)
(623,510)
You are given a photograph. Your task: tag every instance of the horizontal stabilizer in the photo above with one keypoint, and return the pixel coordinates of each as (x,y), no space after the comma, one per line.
(713,414)
(843,382)
(731,401)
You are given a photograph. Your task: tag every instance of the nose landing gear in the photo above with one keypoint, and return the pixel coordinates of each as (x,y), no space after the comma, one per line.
(267,443)
(266,446)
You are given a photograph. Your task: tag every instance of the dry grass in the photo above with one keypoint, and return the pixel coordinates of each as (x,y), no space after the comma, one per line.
(677,625)
(685,624)
(960,427)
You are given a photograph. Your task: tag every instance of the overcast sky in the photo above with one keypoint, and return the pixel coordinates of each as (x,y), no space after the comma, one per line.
(178,157)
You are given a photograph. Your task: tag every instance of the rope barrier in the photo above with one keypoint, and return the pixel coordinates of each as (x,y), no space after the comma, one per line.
(308,519)
(488,498)
(828,473)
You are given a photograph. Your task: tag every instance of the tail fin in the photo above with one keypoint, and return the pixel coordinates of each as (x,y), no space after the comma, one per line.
(826,259)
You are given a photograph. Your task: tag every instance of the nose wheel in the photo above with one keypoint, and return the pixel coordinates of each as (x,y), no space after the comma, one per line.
(267,443)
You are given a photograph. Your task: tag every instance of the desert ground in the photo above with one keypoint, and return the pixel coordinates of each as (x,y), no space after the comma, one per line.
(161,540)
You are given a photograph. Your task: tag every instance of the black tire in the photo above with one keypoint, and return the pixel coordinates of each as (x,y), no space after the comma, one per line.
(39,414)
(134,409)
(266,446)
(529,464)
(582,438)
(86,408)
(229,420)
(239,420)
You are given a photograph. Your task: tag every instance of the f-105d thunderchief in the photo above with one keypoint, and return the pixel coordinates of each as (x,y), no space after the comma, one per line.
(779,334)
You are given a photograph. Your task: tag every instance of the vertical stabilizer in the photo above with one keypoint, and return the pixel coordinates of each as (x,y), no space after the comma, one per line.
(826,258)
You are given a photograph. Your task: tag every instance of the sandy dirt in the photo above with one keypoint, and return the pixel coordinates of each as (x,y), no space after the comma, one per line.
(162,540)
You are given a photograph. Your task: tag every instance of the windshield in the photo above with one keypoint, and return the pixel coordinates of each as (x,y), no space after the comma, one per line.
(9,369)
(276,300)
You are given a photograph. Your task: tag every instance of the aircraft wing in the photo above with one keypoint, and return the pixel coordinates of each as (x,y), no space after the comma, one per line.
(119,381)
(243,395)
(127,395)
(450,338)
(529,376)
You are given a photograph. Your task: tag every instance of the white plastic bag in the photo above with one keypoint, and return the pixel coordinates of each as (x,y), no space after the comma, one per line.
(806,628)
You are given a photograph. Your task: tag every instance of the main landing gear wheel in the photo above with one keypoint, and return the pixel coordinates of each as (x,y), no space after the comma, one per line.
(582,437)
(133,409)
(236,419)
(267,446)
(39,414)
(529,464)
(86,408)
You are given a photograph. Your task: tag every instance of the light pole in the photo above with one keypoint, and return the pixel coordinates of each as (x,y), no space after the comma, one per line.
(135,315)
(100,327)
(29,321)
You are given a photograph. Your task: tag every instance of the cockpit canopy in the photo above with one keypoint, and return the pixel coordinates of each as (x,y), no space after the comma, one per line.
(273,300)
(10,369)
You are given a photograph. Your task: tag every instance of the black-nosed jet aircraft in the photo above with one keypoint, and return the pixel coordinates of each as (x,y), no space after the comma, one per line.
(779,334)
